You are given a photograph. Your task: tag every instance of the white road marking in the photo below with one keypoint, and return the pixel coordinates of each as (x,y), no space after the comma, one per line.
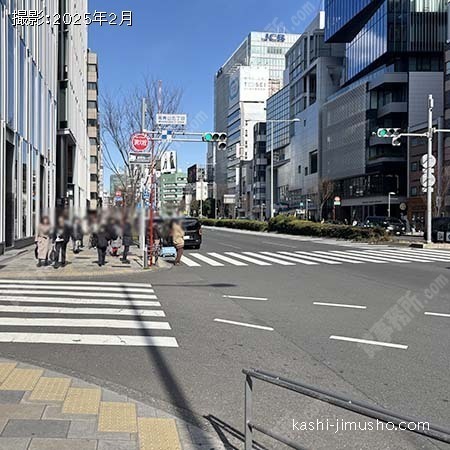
(206,260)
(365,341)
(77,301)
(270,259)
(437,314)
(339,258)
(399,256)
(76,283)
(388,257)
(82,323)
(316,258)
(80,294)
(237,297)
(123,290)
(88,339)
(339,305)
(242,324)
(421,254)
(189,262)
(297,260)
(228,260)
(251,260)
(81,311)
(360,258)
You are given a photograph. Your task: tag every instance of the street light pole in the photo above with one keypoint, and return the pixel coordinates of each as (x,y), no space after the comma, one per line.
(272,171)
(389,202)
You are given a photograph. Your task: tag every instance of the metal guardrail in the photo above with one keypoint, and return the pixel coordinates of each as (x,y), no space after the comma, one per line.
(432,431)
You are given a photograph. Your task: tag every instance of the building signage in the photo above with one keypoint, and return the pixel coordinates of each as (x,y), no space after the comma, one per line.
(171,119)
(169,162)
(229,199)
(274,37)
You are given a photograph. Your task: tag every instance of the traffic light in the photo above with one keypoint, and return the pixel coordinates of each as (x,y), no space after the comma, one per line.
(219,138)
(388,132)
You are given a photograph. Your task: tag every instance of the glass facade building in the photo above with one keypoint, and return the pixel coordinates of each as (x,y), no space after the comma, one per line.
(28,109)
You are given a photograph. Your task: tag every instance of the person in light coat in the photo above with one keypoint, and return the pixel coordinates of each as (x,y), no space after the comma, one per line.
(43,241)
(177,233)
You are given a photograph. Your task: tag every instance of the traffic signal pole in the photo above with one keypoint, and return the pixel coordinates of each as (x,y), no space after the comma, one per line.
(396,135)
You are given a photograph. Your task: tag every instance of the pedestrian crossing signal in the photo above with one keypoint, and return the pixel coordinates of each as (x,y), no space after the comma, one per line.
(219,138)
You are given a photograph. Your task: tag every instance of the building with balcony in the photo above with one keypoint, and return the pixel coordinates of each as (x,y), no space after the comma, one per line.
(93,129)
(28,109)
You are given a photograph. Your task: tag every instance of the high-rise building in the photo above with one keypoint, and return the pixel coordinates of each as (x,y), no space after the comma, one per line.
(28,108)
(242,85)
(72,172)
(95,155)
(394,60)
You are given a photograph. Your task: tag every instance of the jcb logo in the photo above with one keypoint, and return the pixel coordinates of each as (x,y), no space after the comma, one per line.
(273,37)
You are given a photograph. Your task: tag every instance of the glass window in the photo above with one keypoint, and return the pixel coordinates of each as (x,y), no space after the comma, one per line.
(24,188)
(11,75)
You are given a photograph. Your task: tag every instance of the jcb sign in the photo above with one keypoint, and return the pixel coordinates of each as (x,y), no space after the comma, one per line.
(273,37)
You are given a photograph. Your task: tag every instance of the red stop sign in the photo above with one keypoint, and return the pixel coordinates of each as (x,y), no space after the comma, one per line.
(139,142)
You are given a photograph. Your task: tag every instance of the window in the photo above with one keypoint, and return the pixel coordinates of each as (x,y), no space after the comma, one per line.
(92,68)
(414,167)
(313,161)
(93,141)
(92,86)
(306,171)
(414,191)
(300,169)
(92,122)
(94,160)
(93,177)
(92,104)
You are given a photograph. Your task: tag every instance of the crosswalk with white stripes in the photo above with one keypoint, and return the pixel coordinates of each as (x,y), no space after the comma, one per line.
(82,313)
(363,255)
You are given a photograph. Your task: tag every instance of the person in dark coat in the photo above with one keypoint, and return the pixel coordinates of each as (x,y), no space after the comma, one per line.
(77,235)
(61,237)
(102,238)
(127,240)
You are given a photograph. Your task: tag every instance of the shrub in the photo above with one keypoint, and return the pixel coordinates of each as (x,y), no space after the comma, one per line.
(290,225)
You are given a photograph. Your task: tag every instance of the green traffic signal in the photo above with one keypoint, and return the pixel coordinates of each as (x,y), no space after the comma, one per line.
(208,137)
(383,132)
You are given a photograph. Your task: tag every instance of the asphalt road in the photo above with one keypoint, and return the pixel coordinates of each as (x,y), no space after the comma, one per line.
(283,325)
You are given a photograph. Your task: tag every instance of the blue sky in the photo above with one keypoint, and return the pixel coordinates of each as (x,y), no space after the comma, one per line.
(184,43)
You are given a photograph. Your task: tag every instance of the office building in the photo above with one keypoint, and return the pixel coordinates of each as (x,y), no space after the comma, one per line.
(72,171)
(242,85)
(171,190)
(28,108)
(394,60)
(95,155)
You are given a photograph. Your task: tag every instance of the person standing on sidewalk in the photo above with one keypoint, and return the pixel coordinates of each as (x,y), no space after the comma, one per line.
(177,233)
(101,239)
(127,240)
(77,235)
(61,237)
(43,241)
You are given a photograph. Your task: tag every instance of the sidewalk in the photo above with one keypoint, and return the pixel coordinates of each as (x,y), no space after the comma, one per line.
(43,410)
(22,263)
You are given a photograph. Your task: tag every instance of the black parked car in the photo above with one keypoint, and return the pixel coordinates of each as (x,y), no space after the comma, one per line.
(193,232)
(390,224)
(441,229)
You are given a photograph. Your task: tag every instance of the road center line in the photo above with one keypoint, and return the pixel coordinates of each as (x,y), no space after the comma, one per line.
(340,305)
(365,341)
(437,314)
(237,297)
(241,324)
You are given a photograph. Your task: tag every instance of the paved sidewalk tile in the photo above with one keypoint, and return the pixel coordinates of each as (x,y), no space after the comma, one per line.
(50,389)
(36,428)
(82,401)
(117,417)
(89,430)
(10,397)
(14,443)
(117,445)
(21,411)
(62,444)
(158,434)
(21,380)
(5,370)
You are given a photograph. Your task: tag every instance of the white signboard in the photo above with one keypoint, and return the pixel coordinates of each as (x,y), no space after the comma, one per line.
(169,162)
(229,199)
(171,119)
(249,84)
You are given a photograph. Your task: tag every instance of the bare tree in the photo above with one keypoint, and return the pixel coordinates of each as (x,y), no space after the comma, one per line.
(439,195)
(121,116)
(326,192)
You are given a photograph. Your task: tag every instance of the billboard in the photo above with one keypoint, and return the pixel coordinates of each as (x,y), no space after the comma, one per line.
(169,162)
(192,174)
(249,84)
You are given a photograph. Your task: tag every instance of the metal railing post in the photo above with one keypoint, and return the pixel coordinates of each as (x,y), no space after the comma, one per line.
(248,413)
